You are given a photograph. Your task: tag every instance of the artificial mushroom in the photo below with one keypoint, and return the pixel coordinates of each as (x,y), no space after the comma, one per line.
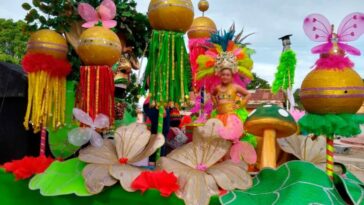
(270,122)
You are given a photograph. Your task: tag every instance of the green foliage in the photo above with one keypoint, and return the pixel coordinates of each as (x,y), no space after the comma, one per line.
(13,40)
(133,25)
(258,83)
(297,99)
(284,77)
(131,97)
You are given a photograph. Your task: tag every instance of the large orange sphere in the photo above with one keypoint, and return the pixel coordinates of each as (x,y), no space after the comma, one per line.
(99,46)
(48,42)
(171,15)
(202,27)
(332,91)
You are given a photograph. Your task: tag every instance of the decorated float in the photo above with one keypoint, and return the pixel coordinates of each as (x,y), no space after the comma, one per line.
(232,155)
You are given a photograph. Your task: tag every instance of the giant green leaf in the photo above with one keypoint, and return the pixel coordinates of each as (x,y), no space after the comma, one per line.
(352,186)
(61,178)
(295,182)
(58,138)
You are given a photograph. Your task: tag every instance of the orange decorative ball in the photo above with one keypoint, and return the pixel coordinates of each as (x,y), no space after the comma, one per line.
(171,15)
(99,46)
(332,91)
(202,27)
(203,5)
(48,42)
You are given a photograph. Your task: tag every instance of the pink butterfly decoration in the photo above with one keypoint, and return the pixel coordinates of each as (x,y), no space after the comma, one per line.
(319,29)
(104,14)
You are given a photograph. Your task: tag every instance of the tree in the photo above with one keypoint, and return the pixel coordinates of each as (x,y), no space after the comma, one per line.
(297,99)
(13,40)
(258,83)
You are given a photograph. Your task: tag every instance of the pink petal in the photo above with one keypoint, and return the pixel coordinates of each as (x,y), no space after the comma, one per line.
(109,24)
(243,150)
(89,24)
(87,12)
(107,10)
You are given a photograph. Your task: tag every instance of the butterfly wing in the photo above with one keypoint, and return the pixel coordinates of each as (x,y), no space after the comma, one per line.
(109,23)
(107,12)
(349,49)
(351,27)
(101,121)
(83,117)
(317,27)
(322,48)
(80,136)
(88,13)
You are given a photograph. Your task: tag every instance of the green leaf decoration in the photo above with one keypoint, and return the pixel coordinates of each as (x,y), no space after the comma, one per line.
(17,192)
(58,138)
(351,185)
(345,125)
(296,182)
(284,77)
(61,178)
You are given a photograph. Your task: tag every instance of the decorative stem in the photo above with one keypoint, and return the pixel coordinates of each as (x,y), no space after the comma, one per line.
(330,156)
(43,139)
(269,158)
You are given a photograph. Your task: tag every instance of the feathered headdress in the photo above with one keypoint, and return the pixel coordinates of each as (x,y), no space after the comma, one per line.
(225,52)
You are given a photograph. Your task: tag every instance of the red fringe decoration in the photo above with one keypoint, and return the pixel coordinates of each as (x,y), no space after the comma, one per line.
(42,62)
(28,166)
(97,91)
(165,182)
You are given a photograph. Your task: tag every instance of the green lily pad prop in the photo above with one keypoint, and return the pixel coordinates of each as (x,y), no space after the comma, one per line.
(296,182)
(351,185)
(61,178)
(58,138)
(17,192)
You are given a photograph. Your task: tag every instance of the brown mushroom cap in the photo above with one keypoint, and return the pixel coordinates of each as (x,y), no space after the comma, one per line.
(270,117)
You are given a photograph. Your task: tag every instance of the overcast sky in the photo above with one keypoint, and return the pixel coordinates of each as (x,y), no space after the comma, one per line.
(269,19)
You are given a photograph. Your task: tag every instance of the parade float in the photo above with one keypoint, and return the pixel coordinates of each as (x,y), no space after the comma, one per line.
(93,161)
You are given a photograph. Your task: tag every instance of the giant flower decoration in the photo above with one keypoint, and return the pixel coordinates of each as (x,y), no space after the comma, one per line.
(113,161)
(307,148)
(199,174)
